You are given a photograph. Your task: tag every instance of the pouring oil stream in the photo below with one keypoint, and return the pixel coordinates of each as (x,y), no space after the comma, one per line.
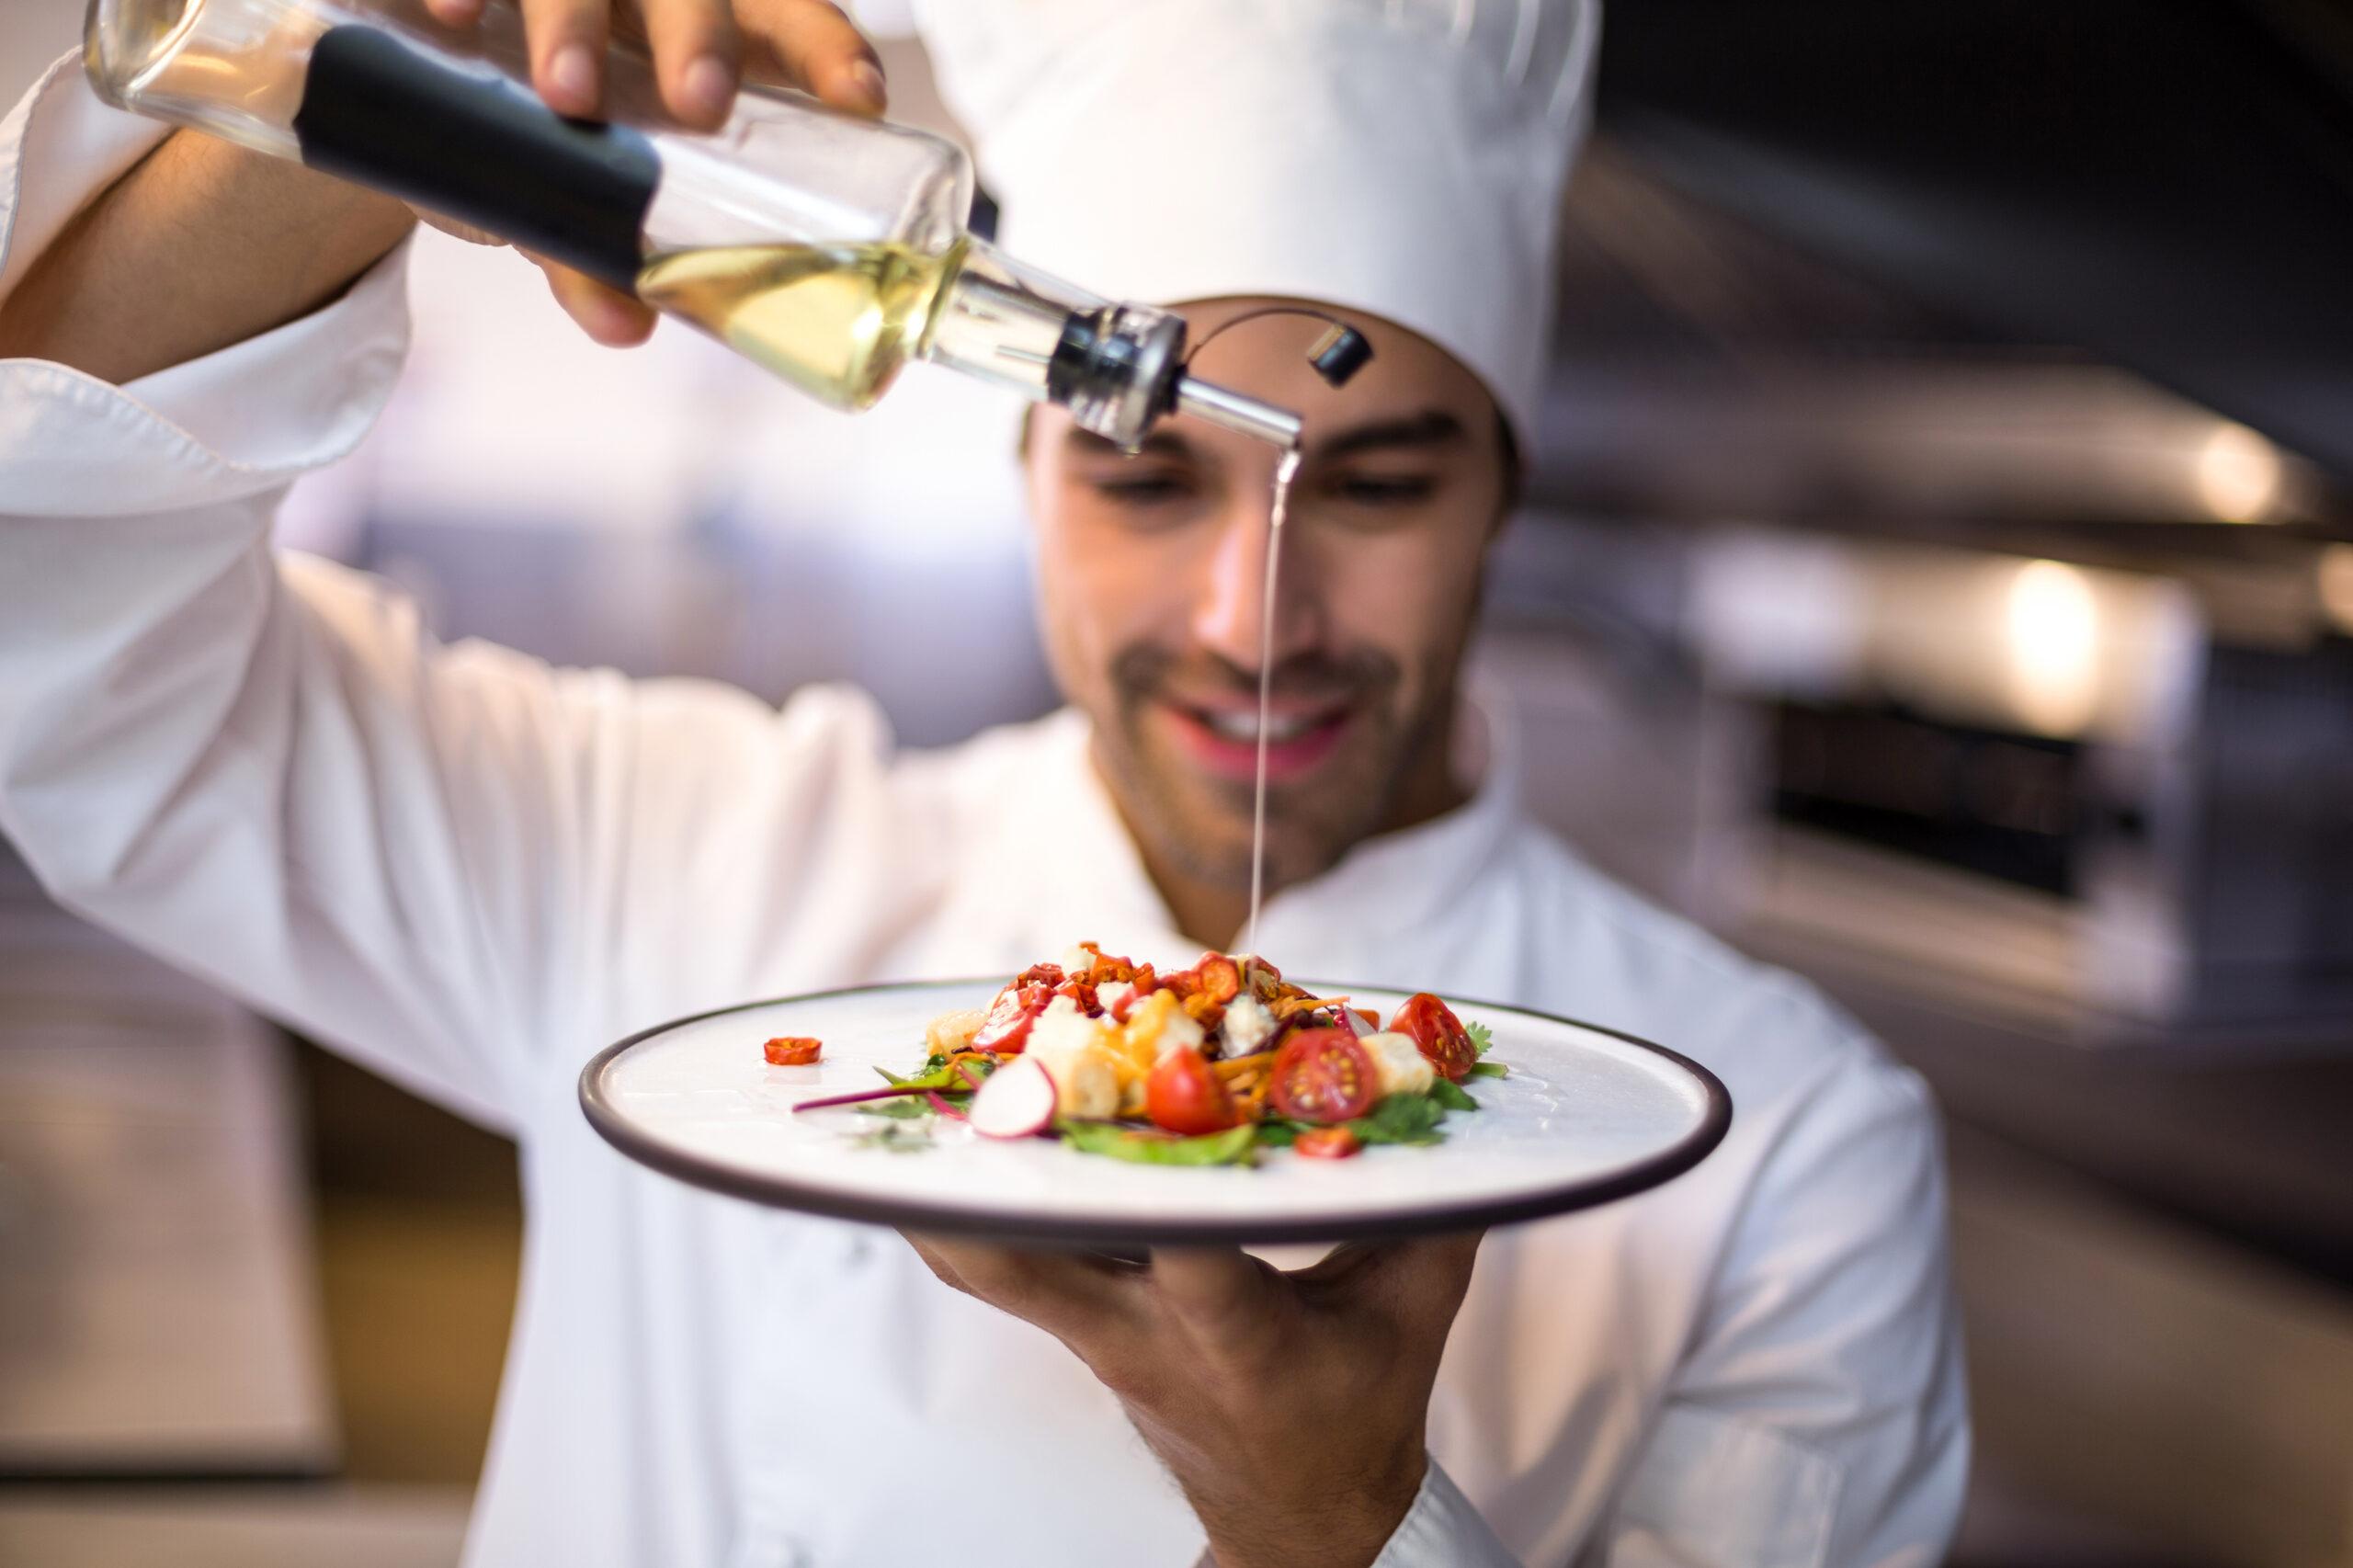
(1286,469)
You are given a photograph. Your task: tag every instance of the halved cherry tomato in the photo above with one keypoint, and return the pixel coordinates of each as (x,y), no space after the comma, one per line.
(1181,1095)
(1322,1076)
(791,1051)
(1327,1144)
(1440,1034)
(1015,1008)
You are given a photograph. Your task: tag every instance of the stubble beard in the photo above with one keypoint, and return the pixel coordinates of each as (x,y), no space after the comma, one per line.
(1201,826)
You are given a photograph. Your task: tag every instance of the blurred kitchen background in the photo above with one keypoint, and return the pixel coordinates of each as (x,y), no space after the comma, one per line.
(1937,576)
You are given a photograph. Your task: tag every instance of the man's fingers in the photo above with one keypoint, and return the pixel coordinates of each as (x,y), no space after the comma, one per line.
(1421,1281)
(697,58)
(1071,1297)
(612,318)
(810,44)
(1223,1295)
(568,39)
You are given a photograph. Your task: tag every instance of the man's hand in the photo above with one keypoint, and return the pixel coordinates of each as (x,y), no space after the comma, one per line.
(205,244)
(1289,1407)
(701,48)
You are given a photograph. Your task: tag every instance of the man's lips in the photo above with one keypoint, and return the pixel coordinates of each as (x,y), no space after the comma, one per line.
(1224,737)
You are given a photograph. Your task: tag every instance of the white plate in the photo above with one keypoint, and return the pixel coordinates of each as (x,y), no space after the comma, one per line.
(1586,1116)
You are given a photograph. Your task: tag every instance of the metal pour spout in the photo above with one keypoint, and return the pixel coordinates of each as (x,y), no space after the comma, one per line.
(1206,400)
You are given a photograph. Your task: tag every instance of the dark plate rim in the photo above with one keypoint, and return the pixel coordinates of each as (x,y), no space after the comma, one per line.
(774,1192)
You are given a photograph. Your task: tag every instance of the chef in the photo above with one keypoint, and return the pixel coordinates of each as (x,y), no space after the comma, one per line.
(469,871)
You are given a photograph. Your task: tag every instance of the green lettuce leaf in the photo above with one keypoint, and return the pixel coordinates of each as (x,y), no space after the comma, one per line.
(1401,1118)
(1231,1147)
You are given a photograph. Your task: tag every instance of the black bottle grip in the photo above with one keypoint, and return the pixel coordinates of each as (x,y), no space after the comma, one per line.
(479,149)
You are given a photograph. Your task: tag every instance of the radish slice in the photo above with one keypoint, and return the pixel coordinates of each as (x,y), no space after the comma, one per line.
(941,1106)
(1016,1101)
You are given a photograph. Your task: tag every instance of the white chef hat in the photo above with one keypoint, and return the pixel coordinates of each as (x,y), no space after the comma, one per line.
(1401,157)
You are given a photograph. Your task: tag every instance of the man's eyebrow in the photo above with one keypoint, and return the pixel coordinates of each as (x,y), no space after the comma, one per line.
(1163,443)
(1430,428)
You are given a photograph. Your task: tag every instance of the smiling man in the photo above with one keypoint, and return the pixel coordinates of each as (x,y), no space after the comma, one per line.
(1154,613)
(469,871)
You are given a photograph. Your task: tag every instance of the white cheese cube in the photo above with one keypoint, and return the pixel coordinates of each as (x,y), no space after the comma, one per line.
(1398,1064)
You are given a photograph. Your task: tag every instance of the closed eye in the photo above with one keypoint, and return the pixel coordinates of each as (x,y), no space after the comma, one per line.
(1383,490)
(1143,488)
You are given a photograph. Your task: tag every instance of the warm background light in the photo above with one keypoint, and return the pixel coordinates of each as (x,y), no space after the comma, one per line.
(2238,476)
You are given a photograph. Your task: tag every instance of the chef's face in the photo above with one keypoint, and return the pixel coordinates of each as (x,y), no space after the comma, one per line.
(1150,574)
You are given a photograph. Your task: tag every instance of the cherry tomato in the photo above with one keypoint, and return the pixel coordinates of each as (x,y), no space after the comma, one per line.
(1181,1095)
(1015,1008)
(1322,1076)
(1440,1034)
(791,1051)
(1327,1144)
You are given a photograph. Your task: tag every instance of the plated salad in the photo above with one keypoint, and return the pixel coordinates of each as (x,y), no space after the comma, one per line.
(1201,1067)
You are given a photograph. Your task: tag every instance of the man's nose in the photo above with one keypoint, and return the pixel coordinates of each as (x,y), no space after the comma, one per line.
(1230,603)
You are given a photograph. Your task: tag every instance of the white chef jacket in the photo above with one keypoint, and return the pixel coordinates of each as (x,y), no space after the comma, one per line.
(469,872)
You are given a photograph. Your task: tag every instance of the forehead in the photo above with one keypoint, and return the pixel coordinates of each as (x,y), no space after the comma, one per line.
(1236,343)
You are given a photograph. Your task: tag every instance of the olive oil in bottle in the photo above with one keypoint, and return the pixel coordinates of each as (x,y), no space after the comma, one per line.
(836,321)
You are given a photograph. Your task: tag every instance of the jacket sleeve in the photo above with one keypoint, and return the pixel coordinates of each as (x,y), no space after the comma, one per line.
(1442,1530)
(264,769)
(1819,1419)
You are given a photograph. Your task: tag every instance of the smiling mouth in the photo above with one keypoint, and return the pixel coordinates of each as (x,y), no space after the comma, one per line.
(1242,725)
(1224,740)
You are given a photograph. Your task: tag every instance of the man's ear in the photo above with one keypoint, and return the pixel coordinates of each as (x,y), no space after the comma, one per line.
(1512,474)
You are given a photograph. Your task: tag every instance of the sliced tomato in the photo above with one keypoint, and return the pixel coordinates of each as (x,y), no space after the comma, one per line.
(1015,1008)
(1327,1144)
(1440,1034)
(1221,978)
(1103,968)
(1322,1076)
(1181,1095)
(791,1051)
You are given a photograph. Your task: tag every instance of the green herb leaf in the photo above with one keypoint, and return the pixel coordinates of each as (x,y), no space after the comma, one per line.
(1276,1133)
(1451,1096)
(1401,1118)
(1481,1037)
(902,1109)
(1489,1070)
(894,1140)
(936,1074)
(1231,1147)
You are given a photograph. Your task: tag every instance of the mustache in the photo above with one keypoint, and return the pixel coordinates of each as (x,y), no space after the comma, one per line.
(1145,671)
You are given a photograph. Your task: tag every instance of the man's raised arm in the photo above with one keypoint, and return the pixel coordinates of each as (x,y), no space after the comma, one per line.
(264,768)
